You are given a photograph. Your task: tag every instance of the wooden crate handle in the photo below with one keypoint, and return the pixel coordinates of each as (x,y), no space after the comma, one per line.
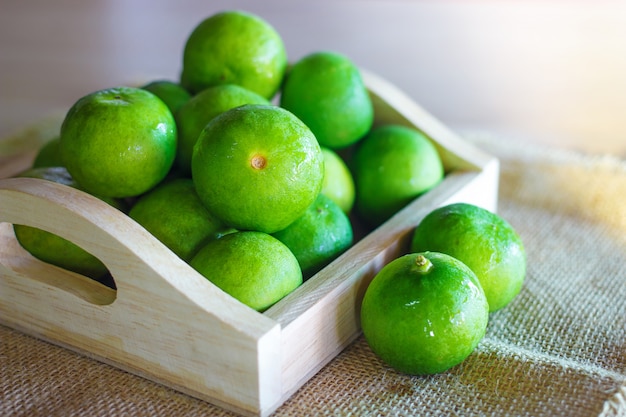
(166,321)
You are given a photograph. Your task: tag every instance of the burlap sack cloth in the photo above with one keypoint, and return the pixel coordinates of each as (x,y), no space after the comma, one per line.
(558,350)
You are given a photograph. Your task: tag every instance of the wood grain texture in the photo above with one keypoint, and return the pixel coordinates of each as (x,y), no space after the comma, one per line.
(169,324)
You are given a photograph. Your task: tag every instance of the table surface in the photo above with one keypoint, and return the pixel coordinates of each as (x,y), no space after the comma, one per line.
(549,72)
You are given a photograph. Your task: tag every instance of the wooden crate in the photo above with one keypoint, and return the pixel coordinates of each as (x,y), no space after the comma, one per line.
(167,323)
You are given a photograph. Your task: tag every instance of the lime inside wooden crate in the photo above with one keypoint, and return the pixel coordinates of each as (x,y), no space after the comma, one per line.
(167,323)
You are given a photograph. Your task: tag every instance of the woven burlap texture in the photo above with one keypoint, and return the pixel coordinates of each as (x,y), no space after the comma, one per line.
(559,349)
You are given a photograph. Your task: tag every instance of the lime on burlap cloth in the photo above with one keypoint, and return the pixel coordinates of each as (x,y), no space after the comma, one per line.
(559,349)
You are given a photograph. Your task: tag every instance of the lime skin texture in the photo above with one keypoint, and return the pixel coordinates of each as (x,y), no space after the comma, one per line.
(234,47)
(338,182)
(194,115)
(118,142)
(49,154)
(326,91)
(481,239)
(174,214)
(173,94)
(424,313)
(317,237)
(257,167)
(392,166)
(253,267)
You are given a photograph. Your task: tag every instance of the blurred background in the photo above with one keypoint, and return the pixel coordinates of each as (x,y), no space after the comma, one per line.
(547,72)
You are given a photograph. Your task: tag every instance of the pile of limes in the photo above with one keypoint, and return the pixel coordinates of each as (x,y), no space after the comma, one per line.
(253,171)
(242,146)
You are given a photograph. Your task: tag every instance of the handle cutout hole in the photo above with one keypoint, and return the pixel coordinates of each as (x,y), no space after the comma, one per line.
(90,281)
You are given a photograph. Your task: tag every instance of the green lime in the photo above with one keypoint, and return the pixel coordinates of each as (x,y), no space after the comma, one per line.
(326,91)
(49,155)
(424,313)
(234,47)
(317,237)
(338,182)
(481,239)
(257,167)
(54,249)
(201,109)
(253,267)
(118,142)
(392,166)
(172,94)
(174,214)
